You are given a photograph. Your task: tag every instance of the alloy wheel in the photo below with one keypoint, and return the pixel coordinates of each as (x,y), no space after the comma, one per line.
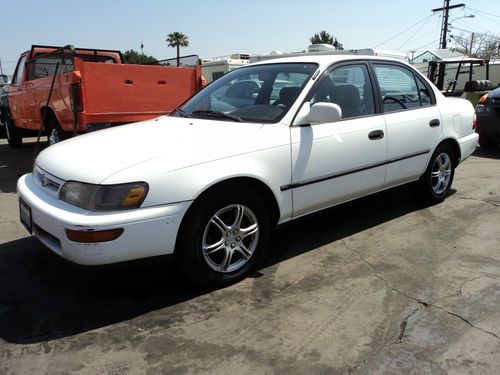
(230,238)
(441,173)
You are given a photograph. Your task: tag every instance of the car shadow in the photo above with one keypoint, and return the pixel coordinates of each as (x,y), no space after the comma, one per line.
(487,153)
(43,297)
(14,162)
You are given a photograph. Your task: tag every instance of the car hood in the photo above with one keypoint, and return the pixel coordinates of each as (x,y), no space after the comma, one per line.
(180,142)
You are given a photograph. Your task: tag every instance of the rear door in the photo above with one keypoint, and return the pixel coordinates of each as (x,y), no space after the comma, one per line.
(412,119)
(338,161)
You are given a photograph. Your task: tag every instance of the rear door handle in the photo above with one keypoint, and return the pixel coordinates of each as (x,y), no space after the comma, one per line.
(376,134)
(434,123)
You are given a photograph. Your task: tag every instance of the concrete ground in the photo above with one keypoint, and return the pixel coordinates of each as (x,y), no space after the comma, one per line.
(377,286)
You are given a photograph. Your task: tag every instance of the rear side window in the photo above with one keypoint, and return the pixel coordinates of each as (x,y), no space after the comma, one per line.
(399,89)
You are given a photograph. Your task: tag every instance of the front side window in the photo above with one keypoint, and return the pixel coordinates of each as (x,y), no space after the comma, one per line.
(261,93)
(349,87)
(398,88)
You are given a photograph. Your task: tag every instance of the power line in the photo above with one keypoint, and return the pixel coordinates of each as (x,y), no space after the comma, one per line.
(467,24)
(411,37)
(480,11)
(428,44)
(404,31)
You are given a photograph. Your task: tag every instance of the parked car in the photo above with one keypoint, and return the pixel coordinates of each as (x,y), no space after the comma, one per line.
(488,119)
(208,184)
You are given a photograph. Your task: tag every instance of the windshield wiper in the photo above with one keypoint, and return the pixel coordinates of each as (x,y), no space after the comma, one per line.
(181,112)
(211,113)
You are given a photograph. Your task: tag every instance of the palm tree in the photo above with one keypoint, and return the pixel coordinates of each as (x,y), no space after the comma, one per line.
(177,39)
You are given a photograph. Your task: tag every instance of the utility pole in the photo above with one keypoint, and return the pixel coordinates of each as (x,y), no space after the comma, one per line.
(471,43)
(444,35)
(444,30)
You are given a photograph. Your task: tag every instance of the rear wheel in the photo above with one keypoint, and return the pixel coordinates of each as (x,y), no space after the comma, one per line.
(55,133)
(223,236)
(435,183)
(14,136)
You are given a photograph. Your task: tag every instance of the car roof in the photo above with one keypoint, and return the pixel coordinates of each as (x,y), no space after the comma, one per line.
(325,60)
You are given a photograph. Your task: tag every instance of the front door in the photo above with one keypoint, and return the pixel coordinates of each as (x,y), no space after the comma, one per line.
(339,161)
(16,94)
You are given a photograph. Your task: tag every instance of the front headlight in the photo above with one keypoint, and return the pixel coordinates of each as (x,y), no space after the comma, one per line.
(104,197)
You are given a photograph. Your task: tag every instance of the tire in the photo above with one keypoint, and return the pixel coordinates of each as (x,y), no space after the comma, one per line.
(486,142)
(14,137)
(434,185)
(55,133)
(233,227)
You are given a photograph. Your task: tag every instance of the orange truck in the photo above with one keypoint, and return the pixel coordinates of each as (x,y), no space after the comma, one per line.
(89,89)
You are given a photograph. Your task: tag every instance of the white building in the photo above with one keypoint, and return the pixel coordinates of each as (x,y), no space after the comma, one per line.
(218,66)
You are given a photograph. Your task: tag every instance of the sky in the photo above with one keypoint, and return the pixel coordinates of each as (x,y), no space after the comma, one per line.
(223,27)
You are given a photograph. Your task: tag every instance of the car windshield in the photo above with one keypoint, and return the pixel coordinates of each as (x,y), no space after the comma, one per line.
(260,93)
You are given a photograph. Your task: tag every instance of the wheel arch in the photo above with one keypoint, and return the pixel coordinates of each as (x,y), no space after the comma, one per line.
(258,186)
(50,113)
(253,183)
(455,148)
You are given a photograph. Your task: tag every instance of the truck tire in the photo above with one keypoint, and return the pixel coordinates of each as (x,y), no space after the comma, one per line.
(55,133)
(14,136)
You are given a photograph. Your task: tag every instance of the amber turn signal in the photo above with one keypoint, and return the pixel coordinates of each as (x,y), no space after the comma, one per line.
(94,236)
(135,195)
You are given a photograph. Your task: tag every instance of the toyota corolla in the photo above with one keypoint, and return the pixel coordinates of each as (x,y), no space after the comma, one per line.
(209,182)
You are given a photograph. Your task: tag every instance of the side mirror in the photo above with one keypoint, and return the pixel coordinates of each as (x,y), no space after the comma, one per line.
(324,112)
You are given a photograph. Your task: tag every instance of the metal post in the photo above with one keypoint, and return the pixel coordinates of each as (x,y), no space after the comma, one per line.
(42,125)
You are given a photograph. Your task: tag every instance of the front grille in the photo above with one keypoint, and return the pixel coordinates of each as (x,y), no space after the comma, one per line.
(49,183)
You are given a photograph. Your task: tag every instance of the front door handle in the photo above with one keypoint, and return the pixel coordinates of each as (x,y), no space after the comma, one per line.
(434,123)
(376,134)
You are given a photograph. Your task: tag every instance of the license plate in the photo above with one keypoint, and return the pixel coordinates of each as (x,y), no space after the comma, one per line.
(25,214)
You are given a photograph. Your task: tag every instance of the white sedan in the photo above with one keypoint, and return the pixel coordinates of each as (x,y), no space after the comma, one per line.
(209,182)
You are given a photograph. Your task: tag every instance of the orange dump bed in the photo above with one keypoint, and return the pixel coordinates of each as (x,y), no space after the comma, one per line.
(94,89)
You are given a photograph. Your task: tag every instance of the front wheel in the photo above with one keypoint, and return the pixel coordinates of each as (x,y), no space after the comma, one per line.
(223,236)
(14,136)
(435,183)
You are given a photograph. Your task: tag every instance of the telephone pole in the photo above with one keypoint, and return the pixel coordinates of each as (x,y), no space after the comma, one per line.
(444,30)
(444,36)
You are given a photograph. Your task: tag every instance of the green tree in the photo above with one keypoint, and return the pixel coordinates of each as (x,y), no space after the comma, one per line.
(134,57)
(326,38)
(177,40)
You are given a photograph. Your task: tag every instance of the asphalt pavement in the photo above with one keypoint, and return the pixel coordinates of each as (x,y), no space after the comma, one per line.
(381,285)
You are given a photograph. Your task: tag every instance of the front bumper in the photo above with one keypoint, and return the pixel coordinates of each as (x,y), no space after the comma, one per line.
(147,232)
(467,145)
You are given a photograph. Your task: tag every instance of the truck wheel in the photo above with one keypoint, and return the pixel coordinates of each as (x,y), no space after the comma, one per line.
(55,133)
(14,136)
(222,237)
